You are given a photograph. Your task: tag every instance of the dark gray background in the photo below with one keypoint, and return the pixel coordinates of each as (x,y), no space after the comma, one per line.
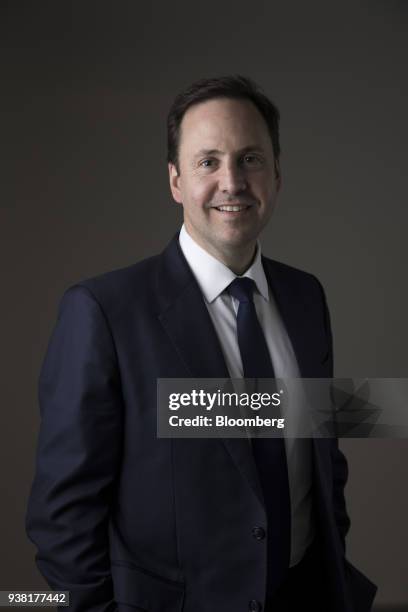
(85,91)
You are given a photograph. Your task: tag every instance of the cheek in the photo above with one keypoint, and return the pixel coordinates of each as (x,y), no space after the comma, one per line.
(264,184)
(267,193)
(201,192)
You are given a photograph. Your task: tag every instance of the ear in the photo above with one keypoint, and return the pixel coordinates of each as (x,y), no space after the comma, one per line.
(278,175)
(174,179)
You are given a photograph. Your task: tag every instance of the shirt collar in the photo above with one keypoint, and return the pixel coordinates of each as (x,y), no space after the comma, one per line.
(212,275)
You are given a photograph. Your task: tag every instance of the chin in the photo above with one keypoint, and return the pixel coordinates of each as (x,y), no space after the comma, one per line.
(241,239)
(237,244)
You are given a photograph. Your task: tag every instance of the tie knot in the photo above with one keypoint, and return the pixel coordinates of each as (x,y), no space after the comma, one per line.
(242,289)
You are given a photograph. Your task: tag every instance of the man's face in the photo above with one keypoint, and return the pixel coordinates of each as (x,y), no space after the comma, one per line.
(228,181)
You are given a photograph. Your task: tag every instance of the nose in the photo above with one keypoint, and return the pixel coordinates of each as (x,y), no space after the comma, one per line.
(232,179)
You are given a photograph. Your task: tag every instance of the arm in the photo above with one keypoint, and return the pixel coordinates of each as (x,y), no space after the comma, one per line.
(78,455)
(340,473)
(339,462)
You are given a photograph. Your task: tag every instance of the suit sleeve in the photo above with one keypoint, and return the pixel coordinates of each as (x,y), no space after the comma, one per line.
(340,473)
(78,453)
(339,461)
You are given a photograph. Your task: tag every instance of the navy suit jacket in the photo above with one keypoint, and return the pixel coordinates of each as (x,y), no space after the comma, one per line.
(125,520)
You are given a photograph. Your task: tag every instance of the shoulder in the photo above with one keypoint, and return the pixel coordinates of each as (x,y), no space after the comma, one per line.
(128,279)
(291,277)
(117,290)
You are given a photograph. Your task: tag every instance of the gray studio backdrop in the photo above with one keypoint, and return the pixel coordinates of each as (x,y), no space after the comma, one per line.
(85,92)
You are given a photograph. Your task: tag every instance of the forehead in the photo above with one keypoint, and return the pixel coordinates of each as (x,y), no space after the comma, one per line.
(224,124)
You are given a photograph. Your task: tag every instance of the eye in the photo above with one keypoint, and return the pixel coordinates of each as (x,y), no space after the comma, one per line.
(252,159)
(207,163)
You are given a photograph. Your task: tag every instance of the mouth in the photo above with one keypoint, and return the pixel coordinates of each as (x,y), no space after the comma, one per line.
(233,208)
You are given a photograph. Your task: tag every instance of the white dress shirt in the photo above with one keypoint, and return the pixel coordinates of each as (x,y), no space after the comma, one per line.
(213,277)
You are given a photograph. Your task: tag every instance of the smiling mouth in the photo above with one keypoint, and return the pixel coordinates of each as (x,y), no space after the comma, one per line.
(233,208)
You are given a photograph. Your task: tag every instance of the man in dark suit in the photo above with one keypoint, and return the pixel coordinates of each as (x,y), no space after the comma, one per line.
(128,521)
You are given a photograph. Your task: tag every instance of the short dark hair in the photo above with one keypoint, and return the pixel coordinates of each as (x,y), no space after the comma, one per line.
(236,86)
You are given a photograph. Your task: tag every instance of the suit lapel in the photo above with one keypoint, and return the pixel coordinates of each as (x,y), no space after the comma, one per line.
(185,318)
(295,316)
(190,328)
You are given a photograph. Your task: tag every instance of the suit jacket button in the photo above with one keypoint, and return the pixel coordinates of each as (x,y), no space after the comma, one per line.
(254,606)
(258,533)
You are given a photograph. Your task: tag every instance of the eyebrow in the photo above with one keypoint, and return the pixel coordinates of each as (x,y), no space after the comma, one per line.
(218,152)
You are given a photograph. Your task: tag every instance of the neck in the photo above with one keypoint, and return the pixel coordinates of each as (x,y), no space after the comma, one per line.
(238,260)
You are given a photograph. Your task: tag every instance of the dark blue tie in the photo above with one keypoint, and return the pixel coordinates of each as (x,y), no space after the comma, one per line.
(269,453)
